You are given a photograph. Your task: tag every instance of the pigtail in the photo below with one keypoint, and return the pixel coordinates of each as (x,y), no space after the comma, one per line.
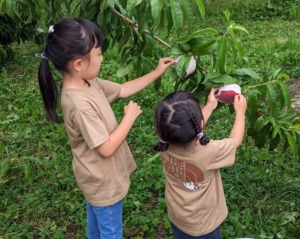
(203,139)
(48,89)
(161,146)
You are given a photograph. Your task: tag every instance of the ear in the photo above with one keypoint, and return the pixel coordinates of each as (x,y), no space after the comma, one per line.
(77,65)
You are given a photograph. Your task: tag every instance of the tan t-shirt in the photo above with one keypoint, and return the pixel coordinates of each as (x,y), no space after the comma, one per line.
(194,190)
(89,120)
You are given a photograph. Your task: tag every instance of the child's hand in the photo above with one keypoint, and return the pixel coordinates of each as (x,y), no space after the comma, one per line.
(240,103)
(212,100)
(163,64)
(132,110)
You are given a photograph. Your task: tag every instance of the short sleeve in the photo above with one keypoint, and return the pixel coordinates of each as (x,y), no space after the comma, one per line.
(111,89)
(225,156)
(91,127)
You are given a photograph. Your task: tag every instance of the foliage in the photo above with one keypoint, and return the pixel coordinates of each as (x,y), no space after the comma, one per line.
(39,196)
(256,10)
(132,26)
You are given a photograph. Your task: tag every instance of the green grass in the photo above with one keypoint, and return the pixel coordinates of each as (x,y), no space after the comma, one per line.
(39,196)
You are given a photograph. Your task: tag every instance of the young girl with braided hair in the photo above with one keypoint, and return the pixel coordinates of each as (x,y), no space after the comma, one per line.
(102,161)
(191,162)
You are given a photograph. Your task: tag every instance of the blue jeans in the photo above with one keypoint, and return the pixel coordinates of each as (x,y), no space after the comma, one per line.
(178,234)
(105,222)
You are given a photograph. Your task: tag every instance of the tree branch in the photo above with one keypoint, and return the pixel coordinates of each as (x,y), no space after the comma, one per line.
(135,25)
(146,31)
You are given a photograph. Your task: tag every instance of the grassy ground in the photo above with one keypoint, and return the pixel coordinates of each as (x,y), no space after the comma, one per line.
(39,196)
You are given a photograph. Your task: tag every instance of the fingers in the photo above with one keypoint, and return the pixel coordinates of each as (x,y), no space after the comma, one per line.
(132,109)
(239,98)
(240,103)
(213,91)
(167,61)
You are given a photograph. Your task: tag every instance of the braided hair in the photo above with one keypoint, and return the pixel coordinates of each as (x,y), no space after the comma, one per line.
(178,117)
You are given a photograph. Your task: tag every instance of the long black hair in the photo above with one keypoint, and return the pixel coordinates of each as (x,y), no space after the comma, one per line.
(178,117)
(67,39)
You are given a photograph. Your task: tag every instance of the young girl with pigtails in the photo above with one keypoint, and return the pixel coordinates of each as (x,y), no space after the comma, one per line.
(191,163)
(102,161)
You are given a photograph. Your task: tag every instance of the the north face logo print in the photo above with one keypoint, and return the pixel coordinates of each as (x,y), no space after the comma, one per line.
(191,175)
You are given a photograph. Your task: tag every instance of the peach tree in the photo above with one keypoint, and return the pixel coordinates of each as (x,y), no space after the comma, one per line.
(145,30)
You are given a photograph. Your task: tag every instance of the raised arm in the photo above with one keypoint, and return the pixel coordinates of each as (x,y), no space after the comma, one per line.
(211,104)
(238,129)
(132,87)
(116,138)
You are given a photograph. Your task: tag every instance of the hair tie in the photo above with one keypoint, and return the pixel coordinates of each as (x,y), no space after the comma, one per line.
(51,29)
(43,55)
(162,141)
(200,135)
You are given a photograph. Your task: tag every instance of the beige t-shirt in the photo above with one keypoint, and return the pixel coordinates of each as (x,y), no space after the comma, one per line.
(194,190)
(89,120)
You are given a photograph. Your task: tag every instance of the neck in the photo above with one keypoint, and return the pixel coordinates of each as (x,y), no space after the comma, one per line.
(77,83)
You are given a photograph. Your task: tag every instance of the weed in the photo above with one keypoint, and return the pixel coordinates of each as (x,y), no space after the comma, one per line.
(39,196)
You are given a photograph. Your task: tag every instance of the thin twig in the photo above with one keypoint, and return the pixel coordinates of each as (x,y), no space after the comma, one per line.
(146,31)
(135,25)
(266,83)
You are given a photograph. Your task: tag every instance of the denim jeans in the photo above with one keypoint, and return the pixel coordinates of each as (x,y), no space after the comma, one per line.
(105,222)
(178,234)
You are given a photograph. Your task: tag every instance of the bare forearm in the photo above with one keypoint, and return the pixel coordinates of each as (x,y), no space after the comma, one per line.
(116,138)
(211,105)
(238,129)
(134,86)
(206,112)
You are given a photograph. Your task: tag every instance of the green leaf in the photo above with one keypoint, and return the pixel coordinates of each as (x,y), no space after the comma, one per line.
(276,131)
(169,17)
(292,142)
(285,93)
(177,16)
(238,27)
(276,73)
(259,124)
(274,142)
(227,16)
(188,14)
(156,11)
(245,72)
(222,54)
(5,166)
(234,50)
(196,34)
(200,46)
(131,5)
(261,136)
(182,64)
(223,79)
(272,99)
(9,8)
(123,71)
(91,11)
(175,51)
(252,104)
(298,143)
(201,8)
(239,47)
(105,3)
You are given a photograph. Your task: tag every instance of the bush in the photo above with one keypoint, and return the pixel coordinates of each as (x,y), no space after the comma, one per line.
(12,31)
